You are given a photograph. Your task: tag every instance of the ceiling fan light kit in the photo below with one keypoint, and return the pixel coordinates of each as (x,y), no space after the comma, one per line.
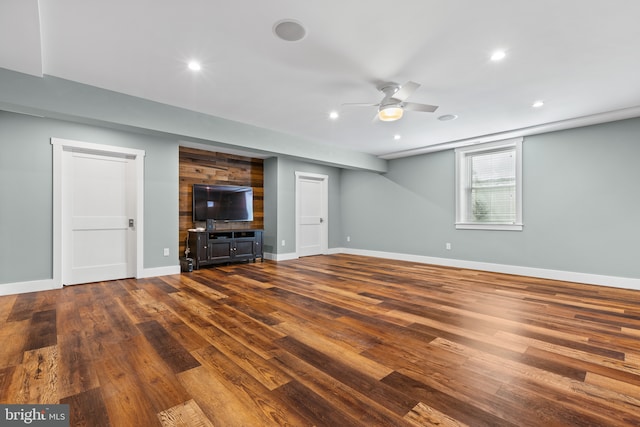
(392,106)
(390,113)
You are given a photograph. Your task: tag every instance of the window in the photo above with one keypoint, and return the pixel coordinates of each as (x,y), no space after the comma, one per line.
(489,186)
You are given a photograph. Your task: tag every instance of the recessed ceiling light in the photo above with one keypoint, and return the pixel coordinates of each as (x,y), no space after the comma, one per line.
(194,66)
(396,137)
(498,55)
(289,30)
(447,117)
(537,104)
(334,115)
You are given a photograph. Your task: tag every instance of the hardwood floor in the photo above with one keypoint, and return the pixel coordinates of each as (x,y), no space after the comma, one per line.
(329,340)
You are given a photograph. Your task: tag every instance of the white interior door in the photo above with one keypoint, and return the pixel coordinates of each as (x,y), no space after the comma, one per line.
(311,214)
(98,202)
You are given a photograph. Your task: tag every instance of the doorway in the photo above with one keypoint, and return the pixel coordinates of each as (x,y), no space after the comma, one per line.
(98,205)
(312,222)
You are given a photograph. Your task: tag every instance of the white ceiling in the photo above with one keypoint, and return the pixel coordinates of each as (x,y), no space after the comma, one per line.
(582,57)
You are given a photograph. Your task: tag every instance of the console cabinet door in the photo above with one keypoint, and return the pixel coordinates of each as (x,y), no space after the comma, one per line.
(199,251)
(202,249)
(220,249)
(244,248)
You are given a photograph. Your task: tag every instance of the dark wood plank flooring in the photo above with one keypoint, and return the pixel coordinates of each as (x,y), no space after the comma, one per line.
(327,341)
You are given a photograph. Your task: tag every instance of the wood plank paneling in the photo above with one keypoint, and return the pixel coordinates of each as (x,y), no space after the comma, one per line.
(6,306)
(124,396)
(42,332)
(23,307)
(87,409)
(75,371)
(444,403)
(6,376)
(327,340)
(13,337)
(35,380)
(187,414)
(207,167)
(312,407)
(169,349)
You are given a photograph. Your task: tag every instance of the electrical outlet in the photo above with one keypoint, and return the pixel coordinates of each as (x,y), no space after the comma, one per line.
(166,251)
(283,242)
(348,238)
(448,246)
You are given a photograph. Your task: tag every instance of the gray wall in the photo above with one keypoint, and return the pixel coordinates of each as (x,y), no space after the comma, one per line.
(270,204)
(26,194)
(63,99)
(580,202)
(286,207)
(405,211)
(26,175)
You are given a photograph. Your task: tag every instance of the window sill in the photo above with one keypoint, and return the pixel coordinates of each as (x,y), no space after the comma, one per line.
(480,226)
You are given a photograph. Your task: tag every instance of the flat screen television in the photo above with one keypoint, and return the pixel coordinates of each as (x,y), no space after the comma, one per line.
(222,203)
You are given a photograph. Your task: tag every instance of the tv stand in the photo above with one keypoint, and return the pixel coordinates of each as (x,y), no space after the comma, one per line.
(224,246)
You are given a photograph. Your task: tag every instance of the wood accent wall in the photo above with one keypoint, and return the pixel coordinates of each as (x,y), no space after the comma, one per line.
(207,167)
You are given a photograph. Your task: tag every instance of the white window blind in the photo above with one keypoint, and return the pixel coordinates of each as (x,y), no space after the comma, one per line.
(489,187)
(492,187)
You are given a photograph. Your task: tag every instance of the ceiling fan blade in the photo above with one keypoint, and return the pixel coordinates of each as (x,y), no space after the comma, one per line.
(359,104)
(405,91)
(412,106)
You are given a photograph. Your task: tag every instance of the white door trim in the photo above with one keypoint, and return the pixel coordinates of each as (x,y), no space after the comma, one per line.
(60,145)
(324,179)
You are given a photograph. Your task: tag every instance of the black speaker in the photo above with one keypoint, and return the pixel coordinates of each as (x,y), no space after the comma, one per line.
(186,265)
(211,224)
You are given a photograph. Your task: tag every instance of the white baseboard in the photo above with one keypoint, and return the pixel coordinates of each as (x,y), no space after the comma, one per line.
(567,276)
(543,273)
(280,257)
(159,271)
(48,284)
(25,287)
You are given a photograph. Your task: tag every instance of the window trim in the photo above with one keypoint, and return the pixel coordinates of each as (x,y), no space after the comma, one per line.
(462,173)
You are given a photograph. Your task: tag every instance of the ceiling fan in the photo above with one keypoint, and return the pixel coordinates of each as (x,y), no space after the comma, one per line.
(394,103)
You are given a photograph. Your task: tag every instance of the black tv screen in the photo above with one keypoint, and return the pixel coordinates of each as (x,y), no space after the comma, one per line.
(222,203)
